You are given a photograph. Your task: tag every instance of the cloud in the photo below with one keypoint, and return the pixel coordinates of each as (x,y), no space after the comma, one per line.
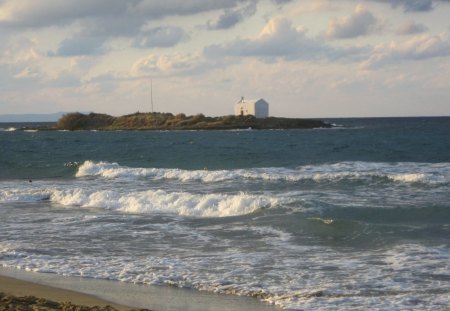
(101,18)
(96,22)
(232,17)
(281,1)
(20,50)
(360,23)
(65,81)
(20,53)
(159,9)
(410,28)
(20,65)
(45,13)
(29,72)
(165,65)
(80,45)
(418,48)
(279,39)
(24,67)
(166,36)
(314,7)
(413,5)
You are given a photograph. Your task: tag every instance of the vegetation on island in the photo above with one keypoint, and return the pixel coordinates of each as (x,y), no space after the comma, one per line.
(168,121)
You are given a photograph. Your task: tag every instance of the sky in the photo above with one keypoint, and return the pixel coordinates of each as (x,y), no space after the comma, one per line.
(322,58)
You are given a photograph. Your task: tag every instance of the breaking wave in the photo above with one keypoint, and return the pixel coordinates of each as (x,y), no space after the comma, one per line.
(147,202)
(185,204)
(9,129)
(405,172)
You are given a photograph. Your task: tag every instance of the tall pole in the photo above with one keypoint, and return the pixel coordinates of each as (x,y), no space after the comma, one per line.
(151,93)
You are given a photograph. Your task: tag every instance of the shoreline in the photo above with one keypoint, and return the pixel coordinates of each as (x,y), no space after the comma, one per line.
(17,288)
(168,121)
(121,296)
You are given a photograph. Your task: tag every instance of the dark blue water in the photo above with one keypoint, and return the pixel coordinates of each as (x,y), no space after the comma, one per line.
(44,154)
(357,216)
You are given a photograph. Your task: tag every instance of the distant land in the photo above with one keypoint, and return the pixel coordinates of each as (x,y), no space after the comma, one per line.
(14,118)
(168,121)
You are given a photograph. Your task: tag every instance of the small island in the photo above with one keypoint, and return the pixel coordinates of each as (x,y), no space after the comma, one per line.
(168,121)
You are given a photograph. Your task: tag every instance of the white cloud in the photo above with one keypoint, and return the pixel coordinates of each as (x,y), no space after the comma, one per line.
(360,23)
(29,73)
(314,7)
(19,63)
(165,65)
(420,47)
(19,50)
(99,67)
(23,67)
(279,39)
(93,24)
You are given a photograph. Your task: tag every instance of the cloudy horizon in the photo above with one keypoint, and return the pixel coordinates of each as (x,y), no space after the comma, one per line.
(306,58)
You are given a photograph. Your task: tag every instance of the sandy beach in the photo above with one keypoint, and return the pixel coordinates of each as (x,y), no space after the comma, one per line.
(26,295)
(109,295)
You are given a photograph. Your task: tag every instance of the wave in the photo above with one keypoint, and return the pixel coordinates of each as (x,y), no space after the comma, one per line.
(9,129)
(147,202)
(24,196)
(404,172)
(285,285)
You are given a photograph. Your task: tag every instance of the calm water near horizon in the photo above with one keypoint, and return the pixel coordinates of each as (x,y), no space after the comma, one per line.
(357,216)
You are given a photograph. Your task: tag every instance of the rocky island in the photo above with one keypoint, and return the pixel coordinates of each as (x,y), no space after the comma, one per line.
(168,121)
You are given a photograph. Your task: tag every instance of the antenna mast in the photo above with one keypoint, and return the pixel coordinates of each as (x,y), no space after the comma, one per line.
(151,93)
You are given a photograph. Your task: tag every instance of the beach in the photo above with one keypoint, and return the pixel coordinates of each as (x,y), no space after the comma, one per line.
(110,295)
(16,293)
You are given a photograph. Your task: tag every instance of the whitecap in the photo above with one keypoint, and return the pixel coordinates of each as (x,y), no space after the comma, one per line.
(429,173)
(22,195)
(159,201)
(9,129)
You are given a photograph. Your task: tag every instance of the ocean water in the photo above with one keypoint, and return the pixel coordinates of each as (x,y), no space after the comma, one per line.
(357,216)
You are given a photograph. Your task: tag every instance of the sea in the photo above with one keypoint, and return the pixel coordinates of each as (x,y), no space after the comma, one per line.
(352,217)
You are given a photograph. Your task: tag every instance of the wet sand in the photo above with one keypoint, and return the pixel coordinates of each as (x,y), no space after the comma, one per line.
(26,295)
(121,296)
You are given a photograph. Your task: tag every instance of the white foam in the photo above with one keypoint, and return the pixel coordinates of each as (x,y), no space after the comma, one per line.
(297,280)
(9,129)
(324,221)
(159,201)
(409,178)
(114,170)
(23,195)
(396,172)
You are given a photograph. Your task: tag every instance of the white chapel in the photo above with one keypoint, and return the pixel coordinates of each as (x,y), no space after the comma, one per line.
(258,108)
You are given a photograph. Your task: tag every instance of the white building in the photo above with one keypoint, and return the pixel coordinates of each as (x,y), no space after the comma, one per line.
(258,108)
